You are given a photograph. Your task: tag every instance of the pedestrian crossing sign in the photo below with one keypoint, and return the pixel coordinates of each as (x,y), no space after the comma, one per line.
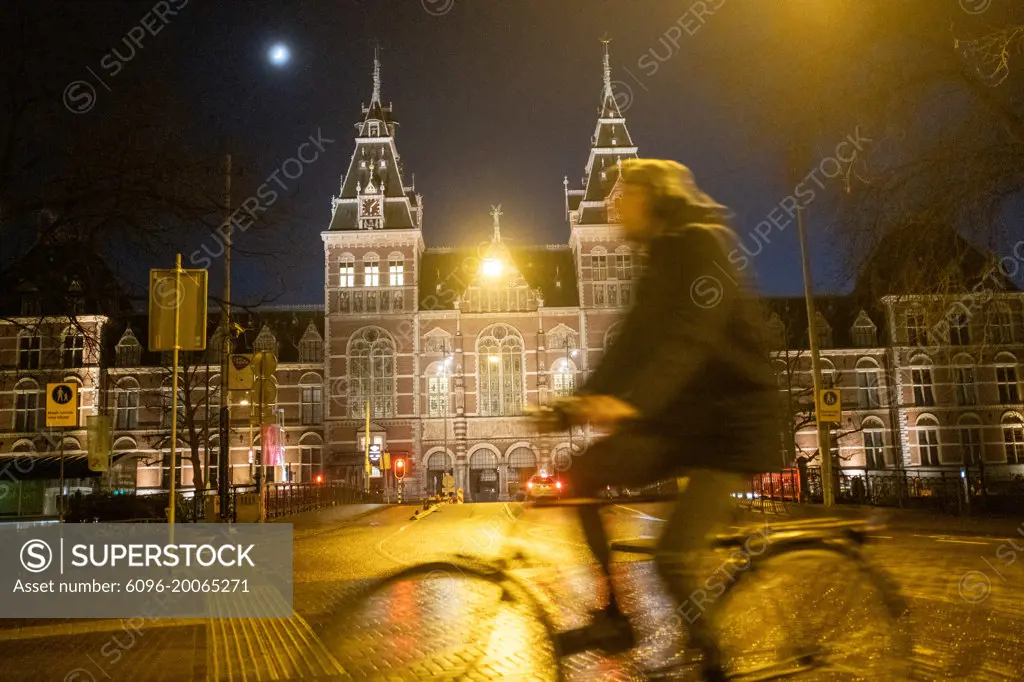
(830,408)
(62,404)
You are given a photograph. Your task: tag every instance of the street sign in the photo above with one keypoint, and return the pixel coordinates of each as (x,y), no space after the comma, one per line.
(265,364)
(830,408)
(387,460)
(240,373)
(448,483)
(99,428)
(62,404)
(189,297)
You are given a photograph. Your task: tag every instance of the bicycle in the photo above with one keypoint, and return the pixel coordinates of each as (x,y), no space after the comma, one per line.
(826,548)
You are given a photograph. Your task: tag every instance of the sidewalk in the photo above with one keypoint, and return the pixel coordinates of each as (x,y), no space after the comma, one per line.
(312,522)
(902,519)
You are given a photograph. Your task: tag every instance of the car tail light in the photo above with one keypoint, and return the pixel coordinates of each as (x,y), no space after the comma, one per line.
(558,484)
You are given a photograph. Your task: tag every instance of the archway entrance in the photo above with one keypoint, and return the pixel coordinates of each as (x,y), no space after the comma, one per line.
(522,464)
(438,464)
(483,476)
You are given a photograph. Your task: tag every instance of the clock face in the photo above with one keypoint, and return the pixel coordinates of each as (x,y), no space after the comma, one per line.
(371,206)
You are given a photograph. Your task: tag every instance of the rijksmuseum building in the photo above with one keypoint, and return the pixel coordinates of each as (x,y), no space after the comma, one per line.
(446,348)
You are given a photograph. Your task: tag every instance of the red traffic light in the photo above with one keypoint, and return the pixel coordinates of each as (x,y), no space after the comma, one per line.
(319,478)
(400,464)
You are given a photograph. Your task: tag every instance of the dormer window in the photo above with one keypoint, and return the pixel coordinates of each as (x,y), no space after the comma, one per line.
(362,164)
(31,305)
(374,129)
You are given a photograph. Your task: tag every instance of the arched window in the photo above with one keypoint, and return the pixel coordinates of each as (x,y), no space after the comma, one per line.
(598,264)
(371,270)
(311,398)
(563,377)
(27,406)
(921,380)
(868,397)
(927,441)
(438,376)
(30,348)
(311,458)
(126,404)
(371,373)
(73,348)
(970,439)
(864,332)
(124,470)
(499,352)
(829,375)
(874,444)
(1013,438)
(964,386)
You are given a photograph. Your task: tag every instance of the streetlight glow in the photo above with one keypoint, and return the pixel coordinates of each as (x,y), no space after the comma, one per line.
(491,267)
(494,359)
(279,54)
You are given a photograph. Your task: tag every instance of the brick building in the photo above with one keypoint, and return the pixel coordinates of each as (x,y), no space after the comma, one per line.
(447,346)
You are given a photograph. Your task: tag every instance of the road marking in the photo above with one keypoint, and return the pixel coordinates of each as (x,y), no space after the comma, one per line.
(881,537)
(640,514)
(962,542)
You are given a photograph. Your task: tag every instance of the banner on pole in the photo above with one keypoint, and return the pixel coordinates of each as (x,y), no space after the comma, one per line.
(99,428)
(186,294)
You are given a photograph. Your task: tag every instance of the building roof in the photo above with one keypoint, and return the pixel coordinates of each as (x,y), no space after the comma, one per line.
(840,313)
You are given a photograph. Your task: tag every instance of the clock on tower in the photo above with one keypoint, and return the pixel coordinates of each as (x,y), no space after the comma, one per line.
(371,208)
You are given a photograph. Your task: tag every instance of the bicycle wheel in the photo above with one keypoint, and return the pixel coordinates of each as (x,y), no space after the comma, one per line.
(810,611)
(443,620)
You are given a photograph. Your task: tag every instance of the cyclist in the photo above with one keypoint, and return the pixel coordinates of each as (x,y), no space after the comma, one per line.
(686,386)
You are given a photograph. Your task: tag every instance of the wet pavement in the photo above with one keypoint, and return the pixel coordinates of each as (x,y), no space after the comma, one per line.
(457,621)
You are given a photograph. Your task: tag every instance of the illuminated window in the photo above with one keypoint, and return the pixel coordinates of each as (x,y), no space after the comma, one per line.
(371,272)
(500,363)
(347,274)
(126,404)
(396,272)
(371,372)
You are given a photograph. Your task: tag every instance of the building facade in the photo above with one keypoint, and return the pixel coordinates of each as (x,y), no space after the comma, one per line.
(443,349)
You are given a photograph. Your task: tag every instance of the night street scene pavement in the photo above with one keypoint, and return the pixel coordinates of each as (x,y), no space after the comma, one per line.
(964,607)
(340,339)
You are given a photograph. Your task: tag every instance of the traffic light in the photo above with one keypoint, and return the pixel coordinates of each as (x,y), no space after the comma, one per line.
(319,479)
(400,467)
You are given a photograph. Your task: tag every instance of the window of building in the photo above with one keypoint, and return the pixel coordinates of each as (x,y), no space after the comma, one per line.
(959,329)
(563,378)
(966,391)
(31,305)
(396,272)
(867,386)
(1013,440)
(829,376)
(626,294)
(126,404)
(73,349)
(921,379)
(917,334)
(312,404)
(266,341)
(129,351)
(623,266)
(311,459)
(970,444)
(823,331)
(437,391)
(29,351)
(999,328)
(864,332)
(599,297)
(928,444)
(371,272)
(26,406)
(1009,390)
(599,267)
(874,448)
(347,274)
(500,363)
(371,371)
(311,345)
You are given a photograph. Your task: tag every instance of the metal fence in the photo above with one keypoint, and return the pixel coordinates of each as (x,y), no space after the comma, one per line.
(280,500)
(984,489)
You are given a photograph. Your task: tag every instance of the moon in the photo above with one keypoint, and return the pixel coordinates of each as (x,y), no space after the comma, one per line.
(279,54)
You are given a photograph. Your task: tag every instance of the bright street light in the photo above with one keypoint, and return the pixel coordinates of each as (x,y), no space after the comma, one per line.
(243,402)
(494,359)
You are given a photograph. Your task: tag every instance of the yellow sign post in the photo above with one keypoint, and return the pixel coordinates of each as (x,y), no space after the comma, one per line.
(830,408)
(62,404)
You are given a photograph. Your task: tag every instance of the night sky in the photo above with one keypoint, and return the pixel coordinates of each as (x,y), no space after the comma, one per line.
(497,100)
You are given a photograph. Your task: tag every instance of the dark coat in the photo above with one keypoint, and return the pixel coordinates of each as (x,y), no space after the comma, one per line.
(692,359)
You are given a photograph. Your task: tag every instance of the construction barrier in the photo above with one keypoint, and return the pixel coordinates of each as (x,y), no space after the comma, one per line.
(458,499)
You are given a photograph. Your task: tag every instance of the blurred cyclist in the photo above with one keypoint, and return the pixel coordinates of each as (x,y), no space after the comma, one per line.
(686,387)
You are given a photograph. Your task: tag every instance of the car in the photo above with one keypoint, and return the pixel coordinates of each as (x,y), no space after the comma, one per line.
(540,486)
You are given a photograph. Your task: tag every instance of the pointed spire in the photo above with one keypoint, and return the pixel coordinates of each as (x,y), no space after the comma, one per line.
(608,94)
(376,75)
(496,214)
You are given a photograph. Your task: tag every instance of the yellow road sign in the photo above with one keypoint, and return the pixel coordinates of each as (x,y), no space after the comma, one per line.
(830,407)
(62,404)
(185,292)
(240,373)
